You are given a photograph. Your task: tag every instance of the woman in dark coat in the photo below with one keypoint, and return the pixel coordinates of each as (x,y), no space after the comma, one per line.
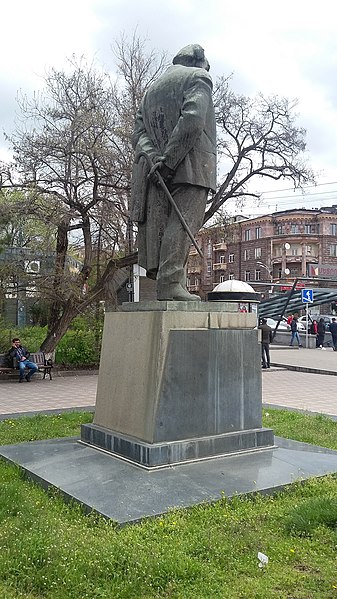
(321,333)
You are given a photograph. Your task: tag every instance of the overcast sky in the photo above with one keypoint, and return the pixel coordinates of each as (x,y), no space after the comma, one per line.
(287,48)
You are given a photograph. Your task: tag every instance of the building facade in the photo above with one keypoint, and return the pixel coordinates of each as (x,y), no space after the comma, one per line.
(275,248)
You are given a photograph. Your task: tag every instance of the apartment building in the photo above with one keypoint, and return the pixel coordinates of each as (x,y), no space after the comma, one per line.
(274,248)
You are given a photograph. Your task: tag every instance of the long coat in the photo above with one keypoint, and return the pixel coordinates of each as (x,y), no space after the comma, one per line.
(176,121)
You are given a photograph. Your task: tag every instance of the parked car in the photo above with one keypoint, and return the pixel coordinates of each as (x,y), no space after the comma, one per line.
(272,324)
(327,319)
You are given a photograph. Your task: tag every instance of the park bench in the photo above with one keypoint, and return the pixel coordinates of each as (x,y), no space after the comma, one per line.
(42,360)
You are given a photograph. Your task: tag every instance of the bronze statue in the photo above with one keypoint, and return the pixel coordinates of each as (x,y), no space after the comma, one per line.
(175,142)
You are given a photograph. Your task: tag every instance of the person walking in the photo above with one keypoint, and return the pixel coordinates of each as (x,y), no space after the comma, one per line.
(333,331)
(266,339)
(294,332)
(21,355)
(313,328)
(320,333)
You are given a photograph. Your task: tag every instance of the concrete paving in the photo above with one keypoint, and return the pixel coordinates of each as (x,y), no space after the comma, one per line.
(281,387)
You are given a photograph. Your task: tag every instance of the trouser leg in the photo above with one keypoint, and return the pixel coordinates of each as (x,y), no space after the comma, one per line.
(266,349)
(191,201)
(263,355)
(22,369)
(32,367)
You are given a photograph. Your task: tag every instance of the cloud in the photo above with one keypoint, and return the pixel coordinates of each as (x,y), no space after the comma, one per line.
(287,49)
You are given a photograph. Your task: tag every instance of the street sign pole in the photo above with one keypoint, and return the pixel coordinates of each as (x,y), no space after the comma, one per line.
(307,298)
(306,324)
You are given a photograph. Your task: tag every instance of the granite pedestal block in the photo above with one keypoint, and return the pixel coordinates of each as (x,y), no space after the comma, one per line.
(178,384)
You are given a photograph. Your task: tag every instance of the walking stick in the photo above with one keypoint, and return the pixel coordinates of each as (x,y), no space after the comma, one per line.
(173,203)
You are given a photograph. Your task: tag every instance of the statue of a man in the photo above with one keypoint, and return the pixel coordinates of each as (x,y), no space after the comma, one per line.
(175,128)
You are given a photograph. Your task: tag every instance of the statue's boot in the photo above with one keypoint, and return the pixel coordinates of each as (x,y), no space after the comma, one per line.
(175,291)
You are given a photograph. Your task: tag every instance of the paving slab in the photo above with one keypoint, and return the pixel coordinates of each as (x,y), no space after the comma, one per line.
(300,390)
(127,493)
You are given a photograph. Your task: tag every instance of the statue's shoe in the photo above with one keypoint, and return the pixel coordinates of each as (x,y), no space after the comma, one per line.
(177,293)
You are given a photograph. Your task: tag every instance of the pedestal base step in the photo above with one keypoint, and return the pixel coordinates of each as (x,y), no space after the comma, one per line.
(153,455)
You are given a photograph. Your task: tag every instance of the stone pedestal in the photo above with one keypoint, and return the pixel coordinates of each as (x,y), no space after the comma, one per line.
(178,381)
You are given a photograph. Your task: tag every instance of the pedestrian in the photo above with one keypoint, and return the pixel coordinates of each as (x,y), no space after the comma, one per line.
(289,319)
(320,333)
(21,355)
(333,331)
(294,332)
(175,129)
(266,339)
(313,328)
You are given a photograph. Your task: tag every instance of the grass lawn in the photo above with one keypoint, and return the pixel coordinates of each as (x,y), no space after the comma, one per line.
(49,549)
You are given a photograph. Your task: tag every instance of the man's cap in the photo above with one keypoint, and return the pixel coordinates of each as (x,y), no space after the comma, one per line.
(264,321)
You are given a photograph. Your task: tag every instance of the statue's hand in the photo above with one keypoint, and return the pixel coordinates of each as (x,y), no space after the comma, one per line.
(159,166)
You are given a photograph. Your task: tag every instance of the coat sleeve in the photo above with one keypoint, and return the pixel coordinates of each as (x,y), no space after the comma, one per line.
(141,141)
(191,123)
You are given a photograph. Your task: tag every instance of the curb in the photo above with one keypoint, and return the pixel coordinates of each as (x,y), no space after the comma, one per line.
(304,369)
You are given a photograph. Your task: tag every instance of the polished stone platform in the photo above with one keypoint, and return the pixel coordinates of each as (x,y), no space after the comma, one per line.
(127,493)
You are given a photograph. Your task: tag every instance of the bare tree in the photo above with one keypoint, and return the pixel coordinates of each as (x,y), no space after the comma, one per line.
(73,156)
(256,138)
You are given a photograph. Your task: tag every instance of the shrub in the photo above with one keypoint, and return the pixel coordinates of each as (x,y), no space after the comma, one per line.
(79,346)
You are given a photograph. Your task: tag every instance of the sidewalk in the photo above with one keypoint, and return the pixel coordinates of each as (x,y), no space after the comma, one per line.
(308,360)
(281,387)
(73,392)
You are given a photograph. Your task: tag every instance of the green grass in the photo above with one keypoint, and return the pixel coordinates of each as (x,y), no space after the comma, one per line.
(317,430)
(49,549)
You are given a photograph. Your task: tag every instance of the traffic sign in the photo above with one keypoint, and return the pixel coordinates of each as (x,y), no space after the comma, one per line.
(307,296)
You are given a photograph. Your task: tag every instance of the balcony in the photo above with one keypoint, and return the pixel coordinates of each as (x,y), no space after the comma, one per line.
(194,287)
(220,246)
(191,270)
(220,266)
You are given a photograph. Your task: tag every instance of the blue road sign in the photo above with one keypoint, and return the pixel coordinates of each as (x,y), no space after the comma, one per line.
(307,296)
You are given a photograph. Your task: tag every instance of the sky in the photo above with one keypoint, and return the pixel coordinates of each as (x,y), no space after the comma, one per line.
(287,48)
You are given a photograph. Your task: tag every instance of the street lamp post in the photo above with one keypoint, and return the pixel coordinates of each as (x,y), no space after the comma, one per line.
(269,272)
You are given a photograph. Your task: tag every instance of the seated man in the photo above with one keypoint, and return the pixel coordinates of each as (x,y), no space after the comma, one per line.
(21,354)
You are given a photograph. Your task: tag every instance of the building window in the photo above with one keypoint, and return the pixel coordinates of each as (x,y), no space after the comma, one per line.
(258,232)
(246,254)
(222,278)
(231,258)
(247,235)
(294,251)
(209,268)
(257,275)
(333,230)
(308,249)
(258,252)
(222,259)
(333,250)
(231,276)
(310,229)
(209,249)
(279,230)
(294,229)
(247,275)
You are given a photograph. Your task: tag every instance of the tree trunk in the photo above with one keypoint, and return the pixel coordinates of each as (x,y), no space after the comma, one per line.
(74,307)
(55,334)
(61,254)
